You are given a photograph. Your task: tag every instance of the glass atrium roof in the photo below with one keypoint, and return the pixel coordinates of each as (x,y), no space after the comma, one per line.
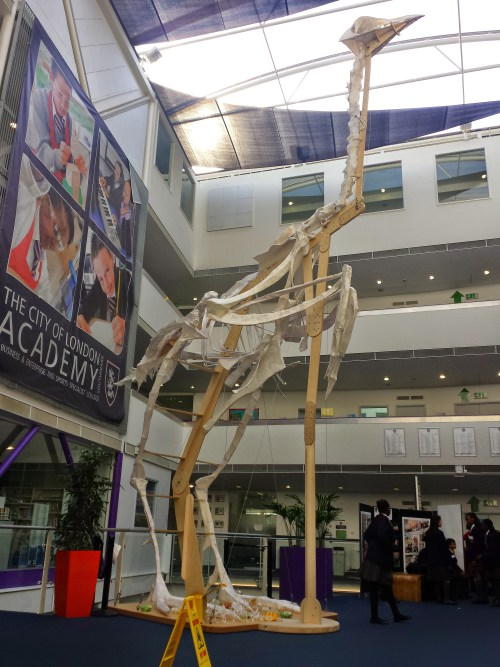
(295,62)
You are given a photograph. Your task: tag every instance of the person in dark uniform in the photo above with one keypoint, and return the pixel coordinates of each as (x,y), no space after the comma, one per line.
(491,560)
(438,561)
(474,550)
(376,570)
(457,579)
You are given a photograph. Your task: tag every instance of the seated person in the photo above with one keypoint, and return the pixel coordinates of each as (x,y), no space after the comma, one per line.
(108,298)
(457,581)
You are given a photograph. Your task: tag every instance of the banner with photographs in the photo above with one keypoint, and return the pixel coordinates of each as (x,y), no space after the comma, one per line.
(69,230)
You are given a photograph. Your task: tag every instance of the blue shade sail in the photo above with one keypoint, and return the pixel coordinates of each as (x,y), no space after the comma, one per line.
(224,136)
(147,21)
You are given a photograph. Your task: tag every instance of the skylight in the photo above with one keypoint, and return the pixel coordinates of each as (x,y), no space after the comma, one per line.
(298,62)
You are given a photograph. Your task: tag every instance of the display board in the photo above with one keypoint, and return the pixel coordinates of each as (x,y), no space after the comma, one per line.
(494,440)
(69,240)
(452,527)
(414,528)
(394,442)
(464,441)
(428,442)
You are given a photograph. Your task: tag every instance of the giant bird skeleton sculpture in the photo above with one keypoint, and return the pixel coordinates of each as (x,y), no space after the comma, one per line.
(310,302)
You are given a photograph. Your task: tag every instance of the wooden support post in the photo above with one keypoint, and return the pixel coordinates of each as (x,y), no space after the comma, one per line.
(310,609)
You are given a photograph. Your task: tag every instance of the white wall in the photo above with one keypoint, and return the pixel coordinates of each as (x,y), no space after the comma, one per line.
(51,15)
(438,401)
(419,327)
(354,442)
(153,307)
(421,222)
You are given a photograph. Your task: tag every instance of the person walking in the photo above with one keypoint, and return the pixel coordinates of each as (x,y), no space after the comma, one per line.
(377,566)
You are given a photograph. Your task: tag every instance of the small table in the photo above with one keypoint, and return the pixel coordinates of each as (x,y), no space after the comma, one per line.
(407,587)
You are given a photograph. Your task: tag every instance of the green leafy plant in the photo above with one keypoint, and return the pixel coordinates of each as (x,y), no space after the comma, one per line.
(79,526)
(291,515)
(294,516)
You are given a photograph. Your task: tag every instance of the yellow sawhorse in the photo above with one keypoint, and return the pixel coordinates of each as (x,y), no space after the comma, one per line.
(190,612)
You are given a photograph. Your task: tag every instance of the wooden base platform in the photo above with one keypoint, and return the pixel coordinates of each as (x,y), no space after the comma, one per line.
(291,625)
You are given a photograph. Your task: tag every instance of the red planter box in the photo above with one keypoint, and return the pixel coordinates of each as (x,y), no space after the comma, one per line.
(75,582)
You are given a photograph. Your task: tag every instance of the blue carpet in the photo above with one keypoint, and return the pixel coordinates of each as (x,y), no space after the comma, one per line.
(436,635)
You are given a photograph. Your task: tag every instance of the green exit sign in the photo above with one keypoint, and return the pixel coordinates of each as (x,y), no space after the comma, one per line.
(480,394)
(471,295)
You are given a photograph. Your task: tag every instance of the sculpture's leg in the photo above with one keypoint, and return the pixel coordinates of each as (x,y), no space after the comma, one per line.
(310,607)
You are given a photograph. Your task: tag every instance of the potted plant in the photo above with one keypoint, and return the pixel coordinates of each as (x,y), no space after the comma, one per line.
(292,558)
(77,559)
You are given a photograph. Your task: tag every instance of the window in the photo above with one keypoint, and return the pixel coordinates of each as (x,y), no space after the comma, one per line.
(237,414)
(187,193)
(383,187)
(370,411)
(462,176)
(140,518)
(302,413)
(300,197)
(163,149)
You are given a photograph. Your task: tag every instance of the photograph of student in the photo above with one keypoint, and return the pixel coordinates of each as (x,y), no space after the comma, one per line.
(106,295)
(112,203)
(112,186)
(45,242)
(59,128)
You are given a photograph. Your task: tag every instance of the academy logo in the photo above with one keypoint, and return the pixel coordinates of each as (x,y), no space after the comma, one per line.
(112,377)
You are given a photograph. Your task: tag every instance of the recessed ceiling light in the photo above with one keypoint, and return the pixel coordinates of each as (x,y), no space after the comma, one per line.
(340,488)
(329,286)
(287,486)
(442,376)
(236,384)
(486,272)
(483,176)
(191,486)
(455,489)
(396,488)
(238,486)
(284,382)
(290,203)
(379,282)
(12,446)
(382,189)
(386,378)
(498,373)
(431,277)
(192,387)
(195,298)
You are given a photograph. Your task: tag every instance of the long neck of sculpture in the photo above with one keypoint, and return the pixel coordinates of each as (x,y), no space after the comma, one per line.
(310,607)
(180,482)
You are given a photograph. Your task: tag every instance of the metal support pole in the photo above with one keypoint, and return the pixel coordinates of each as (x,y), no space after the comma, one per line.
(66,449)
(18,449)
(271,553)
(110,536)
(6,32)
(418,495)
(45,571)
(75,45)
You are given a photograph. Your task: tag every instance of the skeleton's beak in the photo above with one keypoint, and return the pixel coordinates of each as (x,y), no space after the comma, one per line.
(368,34)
